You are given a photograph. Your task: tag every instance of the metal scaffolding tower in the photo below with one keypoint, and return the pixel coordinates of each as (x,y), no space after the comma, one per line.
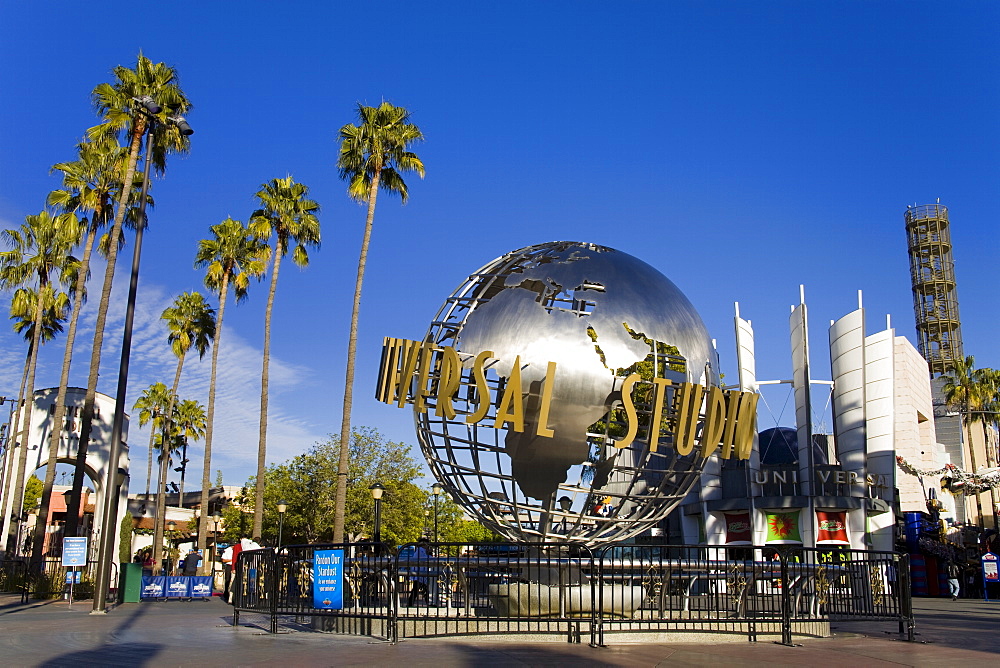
(932,274)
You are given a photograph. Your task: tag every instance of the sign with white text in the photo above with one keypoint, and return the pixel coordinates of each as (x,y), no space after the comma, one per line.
(328,579)
(74,551)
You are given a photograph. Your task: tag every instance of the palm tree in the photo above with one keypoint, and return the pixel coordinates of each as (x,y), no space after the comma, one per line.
(151,407)
(233,257)
(22,312)
(373,155)
(117,104)
(191,322)
(966,391)
(90,185)
(289,216)
(39,255)
(188,424)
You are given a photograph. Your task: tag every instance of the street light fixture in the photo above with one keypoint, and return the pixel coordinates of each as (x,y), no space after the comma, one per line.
(436,490)
(377,490)
(109,509)
(216,518)
(282,507)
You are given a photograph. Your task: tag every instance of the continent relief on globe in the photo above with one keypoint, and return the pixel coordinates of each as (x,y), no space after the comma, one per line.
(546,421)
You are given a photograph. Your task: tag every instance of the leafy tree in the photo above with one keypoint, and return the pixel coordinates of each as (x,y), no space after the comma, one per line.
(123,118)
(308,483)
(453,527)
(287,214)
(32,492)
(39,257)
(125,539)
(373,155)
(191,322)
(232,257)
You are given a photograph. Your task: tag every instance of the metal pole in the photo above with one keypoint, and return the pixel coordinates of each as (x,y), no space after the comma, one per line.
(109,509)
(378,523)
(281,525)
(436,518)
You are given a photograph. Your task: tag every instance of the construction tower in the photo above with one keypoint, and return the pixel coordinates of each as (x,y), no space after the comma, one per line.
(932,275)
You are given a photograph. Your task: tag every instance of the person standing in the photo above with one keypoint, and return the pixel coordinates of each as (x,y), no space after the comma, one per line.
(191,563)
(953,574)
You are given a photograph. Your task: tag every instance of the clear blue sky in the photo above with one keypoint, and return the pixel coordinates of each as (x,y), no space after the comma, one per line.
(741,148)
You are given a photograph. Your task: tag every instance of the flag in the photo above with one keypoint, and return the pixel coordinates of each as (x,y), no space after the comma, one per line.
(832,525)
(739,530)
(783,528)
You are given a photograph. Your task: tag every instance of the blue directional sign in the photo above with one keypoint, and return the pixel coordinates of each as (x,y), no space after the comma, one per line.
(74,551)
(328,579)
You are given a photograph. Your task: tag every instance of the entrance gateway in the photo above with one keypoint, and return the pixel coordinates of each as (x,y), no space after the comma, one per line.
(97,466)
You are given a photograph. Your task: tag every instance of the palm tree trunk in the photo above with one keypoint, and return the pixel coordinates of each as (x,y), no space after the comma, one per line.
(184,453)
(12,445)
(159,523)
(22,460)
(258,506)
(352,346)
(206,471)
(73,509)
(972,462)
(90,398)
(149,458)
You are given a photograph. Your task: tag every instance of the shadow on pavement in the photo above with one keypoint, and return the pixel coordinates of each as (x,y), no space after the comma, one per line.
(118,654)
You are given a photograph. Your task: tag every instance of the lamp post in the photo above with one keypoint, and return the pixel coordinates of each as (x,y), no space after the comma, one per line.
(427,521)
(109,509)
(282,507)
(215,543)
(377,490)
(436,490)
(171,527)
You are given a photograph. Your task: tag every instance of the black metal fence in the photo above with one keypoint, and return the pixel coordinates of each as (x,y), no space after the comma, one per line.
(47,579)
(553,588)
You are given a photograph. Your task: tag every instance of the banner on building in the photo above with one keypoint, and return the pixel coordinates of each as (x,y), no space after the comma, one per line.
(783,528)
(739,530)
(832,527)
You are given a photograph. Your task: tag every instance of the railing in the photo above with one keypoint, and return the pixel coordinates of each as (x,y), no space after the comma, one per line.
(552,588)
(47,579)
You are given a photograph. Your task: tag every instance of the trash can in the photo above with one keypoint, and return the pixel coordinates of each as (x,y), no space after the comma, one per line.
(129,583)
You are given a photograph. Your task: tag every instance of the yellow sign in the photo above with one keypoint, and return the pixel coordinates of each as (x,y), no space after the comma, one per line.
(413,372)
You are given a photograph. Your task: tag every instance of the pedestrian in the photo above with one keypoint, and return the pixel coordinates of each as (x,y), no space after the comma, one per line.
(191,563)
(424,582)
(953,572)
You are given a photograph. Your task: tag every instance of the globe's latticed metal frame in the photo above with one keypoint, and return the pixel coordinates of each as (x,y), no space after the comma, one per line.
(610,493)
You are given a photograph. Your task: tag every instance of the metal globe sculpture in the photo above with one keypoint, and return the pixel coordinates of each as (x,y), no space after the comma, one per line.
(567,323)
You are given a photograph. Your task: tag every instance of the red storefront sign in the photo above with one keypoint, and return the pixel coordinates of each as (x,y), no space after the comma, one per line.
(739,530)
(832,527)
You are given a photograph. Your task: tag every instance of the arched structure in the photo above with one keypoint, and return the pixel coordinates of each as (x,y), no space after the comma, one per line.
(97,464)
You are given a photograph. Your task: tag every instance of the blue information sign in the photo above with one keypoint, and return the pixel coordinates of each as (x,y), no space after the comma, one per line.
(328,579)
(73,577)
(74,551)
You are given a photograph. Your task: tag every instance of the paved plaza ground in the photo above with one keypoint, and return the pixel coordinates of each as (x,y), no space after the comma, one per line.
(200,633)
